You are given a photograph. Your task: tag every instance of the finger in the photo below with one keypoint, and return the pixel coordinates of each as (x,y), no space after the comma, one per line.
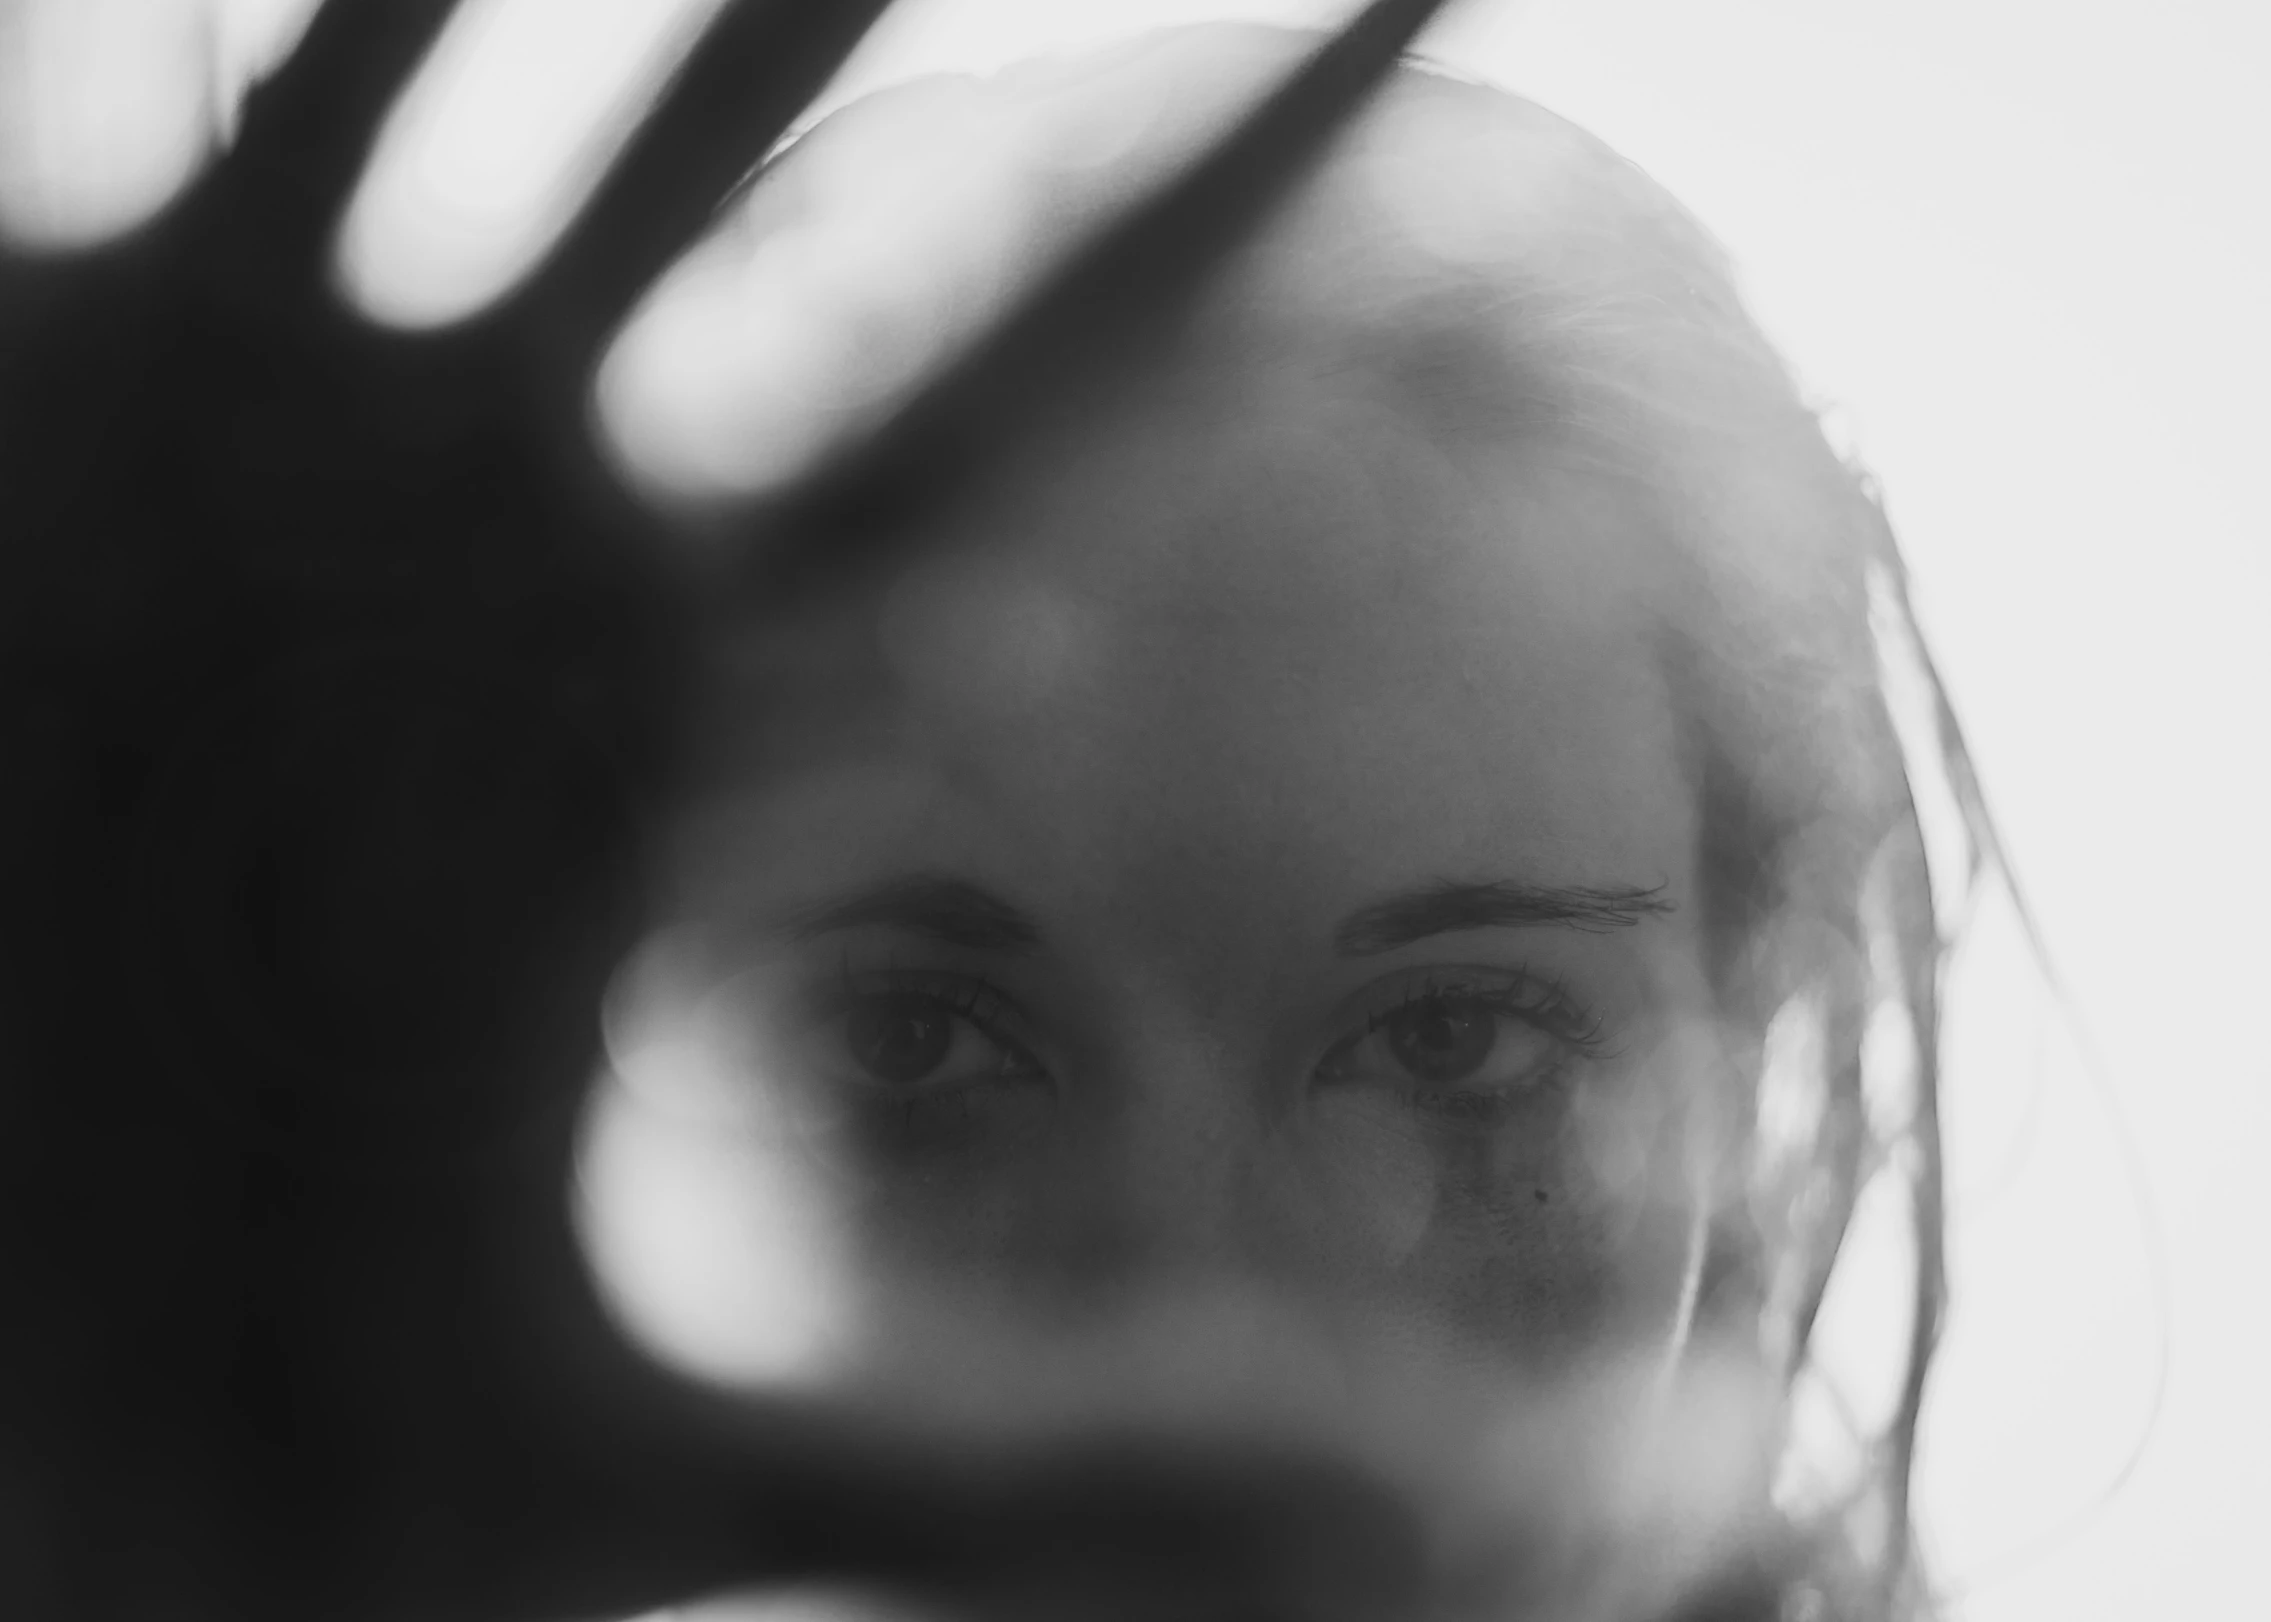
(758,65)
(105,113)
(306,132)
(1103,302)
(1164,1530)
(600,1484)
(806,1603)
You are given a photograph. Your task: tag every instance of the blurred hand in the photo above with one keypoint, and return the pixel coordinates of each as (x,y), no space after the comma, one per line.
(338,681)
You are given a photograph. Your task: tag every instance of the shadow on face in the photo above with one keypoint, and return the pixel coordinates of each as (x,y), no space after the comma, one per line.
(1272,908)
(1249,859)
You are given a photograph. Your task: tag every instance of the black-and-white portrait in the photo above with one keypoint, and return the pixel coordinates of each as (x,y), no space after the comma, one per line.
(1295,809)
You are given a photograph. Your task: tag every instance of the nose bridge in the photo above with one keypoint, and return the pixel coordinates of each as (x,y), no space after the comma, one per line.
(1191,1136)
(1181,1178)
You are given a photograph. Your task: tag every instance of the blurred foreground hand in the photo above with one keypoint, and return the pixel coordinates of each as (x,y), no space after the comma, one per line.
(339,682)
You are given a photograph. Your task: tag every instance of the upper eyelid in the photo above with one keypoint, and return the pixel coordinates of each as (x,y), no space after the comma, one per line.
(1381,998)
(1550,992)
(1580,1021)
(990,1011)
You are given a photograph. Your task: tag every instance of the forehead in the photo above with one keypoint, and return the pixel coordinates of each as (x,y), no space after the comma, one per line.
(1260,633)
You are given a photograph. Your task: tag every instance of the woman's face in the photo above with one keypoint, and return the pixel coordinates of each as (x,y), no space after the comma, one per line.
(1255,853)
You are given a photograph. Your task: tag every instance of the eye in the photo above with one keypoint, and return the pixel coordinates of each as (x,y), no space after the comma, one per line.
(910,1038)
(1466,1047)
(1441,1039)
(898,1040)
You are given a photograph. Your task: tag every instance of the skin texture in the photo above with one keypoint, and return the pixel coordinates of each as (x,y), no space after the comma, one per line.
(1463,533)
(313,1337)
(1361,580)
(1249,658)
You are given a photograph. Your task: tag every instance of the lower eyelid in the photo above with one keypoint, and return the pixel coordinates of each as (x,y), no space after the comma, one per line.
(1465,1107)
(974,1001)
(983,1010)
(1495,1102)
(1545,1006)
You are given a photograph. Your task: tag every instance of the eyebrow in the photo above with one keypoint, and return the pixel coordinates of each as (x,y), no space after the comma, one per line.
(1441,908)
(944,909)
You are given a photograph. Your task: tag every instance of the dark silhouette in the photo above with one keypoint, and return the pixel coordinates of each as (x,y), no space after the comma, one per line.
(337,678)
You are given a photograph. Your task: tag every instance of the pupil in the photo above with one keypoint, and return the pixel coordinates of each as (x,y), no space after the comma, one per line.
(897,1039)
(1442,1041)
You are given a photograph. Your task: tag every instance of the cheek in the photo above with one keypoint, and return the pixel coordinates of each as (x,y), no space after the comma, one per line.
(997,1217)
(1529,1249)
(1566,1235)
(1543,1275)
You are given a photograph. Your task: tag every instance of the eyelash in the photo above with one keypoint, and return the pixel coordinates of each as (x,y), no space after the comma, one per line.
(1542,1001)
(969,999)
(987,1010)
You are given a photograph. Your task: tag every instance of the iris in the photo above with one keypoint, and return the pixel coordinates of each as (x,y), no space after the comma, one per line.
(1441,1039)
(898,1040)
